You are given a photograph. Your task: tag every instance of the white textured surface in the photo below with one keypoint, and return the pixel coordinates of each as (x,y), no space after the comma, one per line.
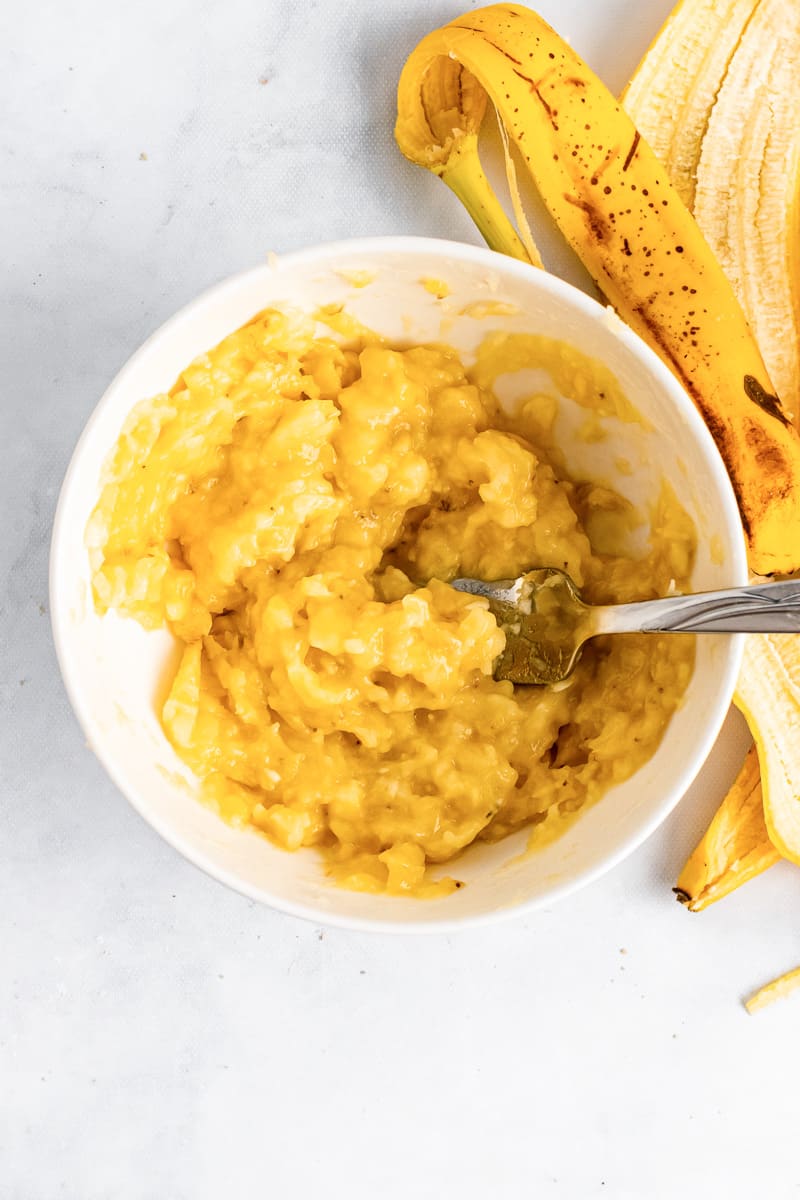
(159,1036)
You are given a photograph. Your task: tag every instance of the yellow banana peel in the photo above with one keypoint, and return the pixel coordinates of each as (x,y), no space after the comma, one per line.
(734,848)
(768,693)
(613,201)
(717,95)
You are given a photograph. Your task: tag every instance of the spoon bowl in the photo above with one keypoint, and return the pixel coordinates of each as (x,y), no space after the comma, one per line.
(546,622)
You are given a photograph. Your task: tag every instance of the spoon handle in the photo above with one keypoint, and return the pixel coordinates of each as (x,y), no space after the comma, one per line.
(765,608)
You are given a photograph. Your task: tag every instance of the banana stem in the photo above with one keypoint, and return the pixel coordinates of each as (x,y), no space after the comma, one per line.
(465,177)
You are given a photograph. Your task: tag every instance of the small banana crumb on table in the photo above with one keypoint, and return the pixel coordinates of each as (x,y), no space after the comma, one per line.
(778,989)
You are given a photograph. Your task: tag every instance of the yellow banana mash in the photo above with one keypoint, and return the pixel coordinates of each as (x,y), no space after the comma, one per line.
(292,510)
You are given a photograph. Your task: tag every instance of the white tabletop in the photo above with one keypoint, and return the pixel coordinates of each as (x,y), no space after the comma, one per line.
(160,1036)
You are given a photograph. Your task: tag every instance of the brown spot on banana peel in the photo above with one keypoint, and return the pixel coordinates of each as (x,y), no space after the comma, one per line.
(489,42)
(535,89)
(764,399)
(770,459)
(634,144)
(612,153)
(594,218)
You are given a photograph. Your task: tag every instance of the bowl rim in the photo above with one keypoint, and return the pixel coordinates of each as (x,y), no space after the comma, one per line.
(492,261)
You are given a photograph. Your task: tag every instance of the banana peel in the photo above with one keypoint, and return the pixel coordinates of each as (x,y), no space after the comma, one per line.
(675,86)
(735,847)
(717,95)
(768,693)
(747,180)
(613,202)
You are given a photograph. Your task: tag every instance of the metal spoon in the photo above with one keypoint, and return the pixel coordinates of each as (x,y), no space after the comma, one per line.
(546,622)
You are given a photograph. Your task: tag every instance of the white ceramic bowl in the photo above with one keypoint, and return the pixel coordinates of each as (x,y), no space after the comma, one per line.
(112,668)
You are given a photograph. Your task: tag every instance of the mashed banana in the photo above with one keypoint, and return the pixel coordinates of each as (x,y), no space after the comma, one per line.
(292,511)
